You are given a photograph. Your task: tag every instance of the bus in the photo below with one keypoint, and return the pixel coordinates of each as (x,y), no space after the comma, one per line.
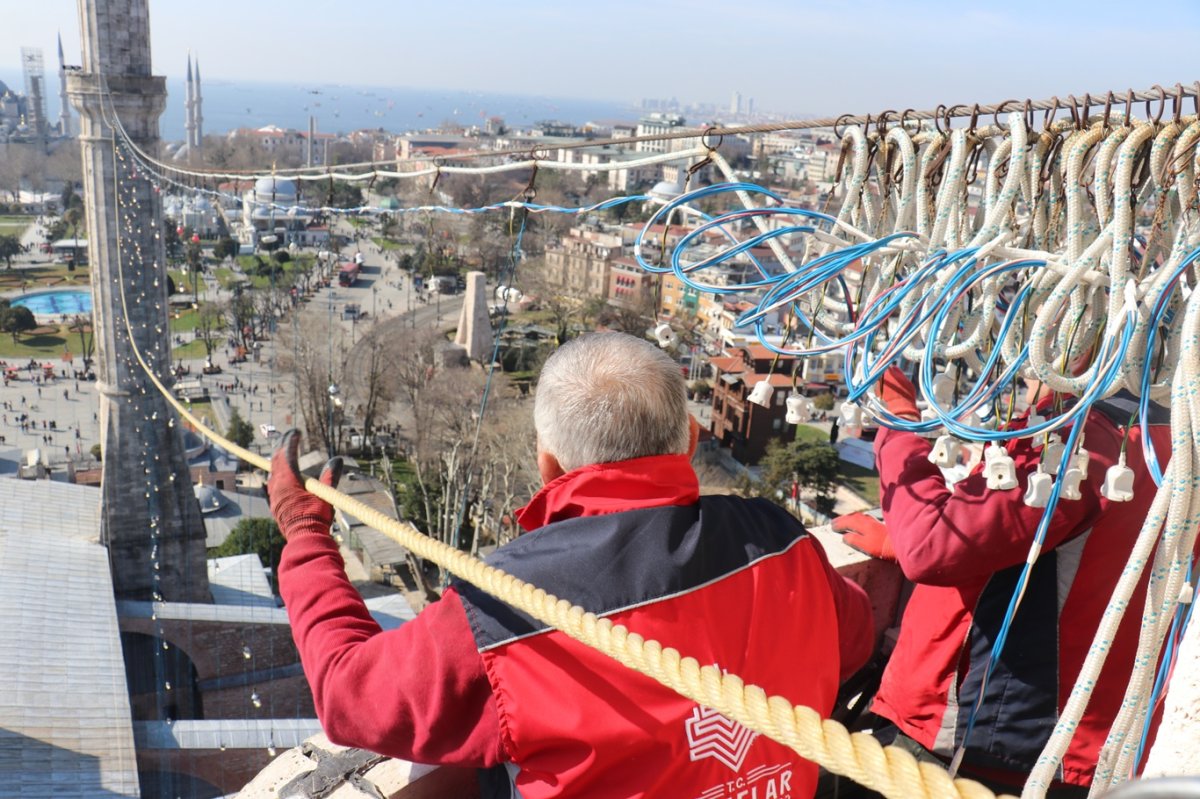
(348,275)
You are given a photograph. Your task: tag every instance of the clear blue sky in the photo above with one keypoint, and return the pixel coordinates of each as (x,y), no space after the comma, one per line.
(815,56)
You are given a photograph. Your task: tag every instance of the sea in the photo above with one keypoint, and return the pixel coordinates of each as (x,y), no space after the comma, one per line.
(341,108)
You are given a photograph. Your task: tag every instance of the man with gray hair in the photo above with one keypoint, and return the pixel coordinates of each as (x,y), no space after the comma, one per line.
(620,528)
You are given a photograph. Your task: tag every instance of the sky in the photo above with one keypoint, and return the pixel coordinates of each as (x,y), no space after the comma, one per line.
(823,57)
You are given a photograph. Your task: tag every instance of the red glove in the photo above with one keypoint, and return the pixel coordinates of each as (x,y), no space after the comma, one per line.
(865,533)
(896,392)
(295,509)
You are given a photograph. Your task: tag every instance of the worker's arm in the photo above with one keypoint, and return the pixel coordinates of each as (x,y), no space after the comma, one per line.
(418,692)
(944,537)
(856,623)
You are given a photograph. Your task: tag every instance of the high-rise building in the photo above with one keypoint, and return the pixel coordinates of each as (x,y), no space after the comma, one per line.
(735,103)
(35,89)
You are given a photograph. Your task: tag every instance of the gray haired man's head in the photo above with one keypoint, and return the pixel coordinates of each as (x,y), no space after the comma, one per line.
(609,397)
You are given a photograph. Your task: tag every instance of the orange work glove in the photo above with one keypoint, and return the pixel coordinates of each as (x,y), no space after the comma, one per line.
(294,508)
(896,392)
(865,533)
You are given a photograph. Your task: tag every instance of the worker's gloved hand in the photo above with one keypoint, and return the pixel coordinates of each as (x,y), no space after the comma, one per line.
(896,392)
(865,533)
(293,507)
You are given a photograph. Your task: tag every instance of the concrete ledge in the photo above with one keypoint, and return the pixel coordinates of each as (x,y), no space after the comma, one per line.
(881,579)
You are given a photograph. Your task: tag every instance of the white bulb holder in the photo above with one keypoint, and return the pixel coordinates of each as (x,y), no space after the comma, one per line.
(1118,483)
(945,452)
(1052,454)
(798,406)
(1071,482)
(1037,493)
(850,415)
(761,393)
(999,469)
(942,389)
(665,335)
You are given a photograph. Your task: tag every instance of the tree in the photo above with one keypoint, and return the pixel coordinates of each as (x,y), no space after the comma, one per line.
(9,246)
(254,537)
(225,248)
(16,319)
(82,324)
(812,465)
(240,431)
(209,322)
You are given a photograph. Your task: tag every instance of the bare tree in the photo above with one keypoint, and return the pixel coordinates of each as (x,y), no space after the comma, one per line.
(210,321)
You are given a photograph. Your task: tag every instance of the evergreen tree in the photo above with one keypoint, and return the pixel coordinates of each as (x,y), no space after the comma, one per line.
(240,431)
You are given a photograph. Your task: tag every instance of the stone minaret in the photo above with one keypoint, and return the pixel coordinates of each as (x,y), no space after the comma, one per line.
(198,110)
(64,109)
(150,520)
(189,107)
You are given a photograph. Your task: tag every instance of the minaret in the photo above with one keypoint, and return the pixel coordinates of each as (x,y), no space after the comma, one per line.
(64,111)
(197,110)
(149,518)
(189,103)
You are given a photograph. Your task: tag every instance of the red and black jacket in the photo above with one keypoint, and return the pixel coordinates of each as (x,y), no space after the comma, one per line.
(965,548)
(728,581)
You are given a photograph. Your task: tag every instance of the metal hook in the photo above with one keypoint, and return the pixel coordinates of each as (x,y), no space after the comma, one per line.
(1048,117)
(1083,110)
(1196,97)
(712,148)
(974,118)
(904,114)
(1071,107)
(838,122)
(881,123)
(1129,95)
(1029,120)
(1162,103)
(529,192)
(1000,110)
(437,164)
(951,112)
(939,114)
(1107,107)
(1178,104)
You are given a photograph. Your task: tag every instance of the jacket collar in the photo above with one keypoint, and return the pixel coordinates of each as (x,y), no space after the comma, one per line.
(601,488)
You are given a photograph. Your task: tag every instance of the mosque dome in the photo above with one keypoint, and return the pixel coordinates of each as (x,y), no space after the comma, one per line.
(3,89)
(277,190)
(666,190)
(210,499)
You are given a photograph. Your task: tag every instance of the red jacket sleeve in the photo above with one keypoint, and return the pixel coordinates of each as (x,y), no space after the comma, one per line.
(418,692)
(954,538)
(855,621)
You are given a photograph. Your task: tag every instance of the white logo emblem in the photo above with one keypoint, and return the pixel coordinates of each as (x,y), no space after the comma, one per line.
(712,735)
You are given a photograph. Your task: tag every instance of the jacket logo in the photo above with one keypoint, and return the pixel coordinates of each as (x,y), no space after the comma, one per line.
(710,734)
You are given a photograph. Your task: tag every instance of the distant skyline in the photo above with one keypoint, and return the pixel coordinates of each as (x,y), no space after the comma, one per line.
(796,56)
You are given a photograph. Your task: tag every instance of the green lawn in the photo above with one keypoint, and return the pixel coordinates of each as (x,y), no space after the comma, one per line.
(45,344)
(811,434)
(185,321)
(386,244)
(864,482)
(202,409)
(43,276)
(189,351)
(14,225)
